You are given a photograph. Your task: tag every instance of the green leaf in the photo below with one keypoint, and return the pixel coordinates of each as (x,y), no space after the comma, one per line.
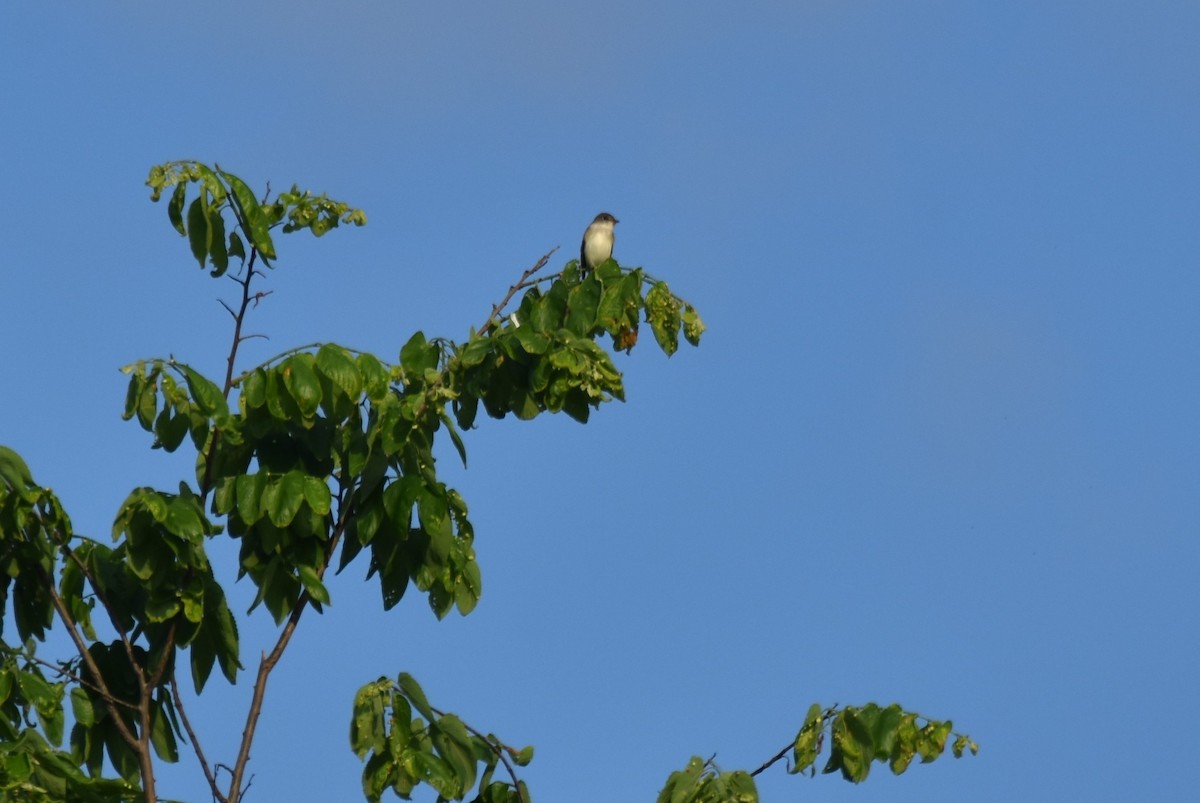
(197,225)
(175,207)
(161,735)
(250,490)
(434,515)
(284,496)
(279,399)
(417,356)
(377,776)
(205,393)
(455,438)
(16,474)
(217,638)
(236,247)
(852,750)
(216,245)
(313,585)
(412,690)
(254,390)
(302,383)
(257,225)
(436,772)
(184,518)
(147,405)
(808,740)
(172,426)
(375,376)
(317,495)
(662,312)
(476,351)
(693,327)
(582,304)
(6,684)
(337,364)
(36,690)
(367,728)
(454,744)
(532,341)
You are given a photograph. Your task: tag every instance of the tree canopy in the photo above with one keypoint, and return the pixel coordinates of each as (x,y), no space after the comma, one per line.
(319,457)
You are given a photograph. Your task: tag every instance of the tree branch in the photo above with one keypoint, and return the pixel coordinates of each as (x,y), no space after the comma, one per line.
(187,726)
(145,765)
(239,318)
(521,284)
(268,662)
(62,671)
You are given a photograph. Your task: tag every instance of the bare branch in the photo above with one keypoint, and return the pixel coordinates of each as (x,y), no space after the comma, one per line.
(187,726)
(268,661)
(145,764)
(522,283)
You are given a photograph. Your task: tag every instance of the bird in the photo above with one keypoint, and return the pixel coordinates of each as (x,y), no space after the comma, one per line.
(597,245)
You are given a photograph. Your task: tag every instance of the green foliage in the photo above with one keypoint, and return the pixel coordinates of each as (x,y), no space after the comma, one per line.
(407,742)
(859,735)
(217,191)
(32,767)
(702,782)
(316,458)
(888,735)
(545,357)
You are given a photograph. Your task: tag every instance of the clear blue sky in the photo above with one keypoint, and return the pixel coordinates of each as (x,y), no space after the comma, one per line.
(939,446)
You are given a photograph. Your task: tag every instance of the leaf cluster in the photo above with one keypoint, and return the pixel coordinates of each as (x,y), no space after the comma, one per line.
(545,356)
(858,736)
(407,742)
(861,735)
(309,461)
(35,534)
(203,223)
(327,453)
(32,768)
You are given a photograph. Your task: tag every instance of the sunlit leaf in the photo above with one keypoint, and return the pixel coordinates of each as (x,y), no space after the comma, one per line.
(197,229)
(412,690)
(313,585)
(284,496)
(257,225)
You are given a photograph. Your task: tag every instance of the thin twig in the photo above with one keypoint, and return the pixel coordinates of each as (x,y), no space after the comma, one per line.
(62,672)
(512,291)
(239,318)
(287,353)
(774,758)
(144,766)
(826,715)
(268,662)
(187,726)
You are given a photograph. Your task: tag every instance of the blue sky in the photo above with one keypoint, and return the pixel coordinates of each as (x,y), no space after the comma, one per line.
(939,445)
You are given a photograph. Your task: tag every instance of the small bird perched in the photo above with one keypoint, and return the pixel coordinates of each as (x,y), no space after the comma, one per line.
(597,244)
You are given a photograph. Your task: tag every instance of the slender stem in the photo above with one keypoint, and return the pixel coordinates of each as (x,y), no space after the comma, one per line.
(288,353)
(512,291)
(71,676)
(187,726)
(268,662)
(145,765)
(126,642)
(773,759)
(239,318)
